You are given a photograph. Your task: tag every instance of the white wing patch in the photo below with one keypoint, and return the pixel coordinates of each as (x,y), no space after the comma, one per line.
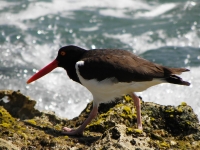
(79,63)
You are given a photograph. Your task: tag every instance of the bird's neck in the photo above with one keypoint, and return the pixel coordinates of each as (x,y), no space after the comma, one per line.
(71,72)
(71,62)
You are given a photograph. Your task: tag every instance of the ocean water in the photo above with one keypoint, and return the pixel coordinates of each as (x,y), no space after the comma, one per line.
(31,32)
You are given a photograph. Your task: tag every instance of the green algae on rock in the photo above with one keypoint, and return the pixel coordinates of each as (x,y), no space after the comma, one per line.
(165,127)
(18,105)
(6,118)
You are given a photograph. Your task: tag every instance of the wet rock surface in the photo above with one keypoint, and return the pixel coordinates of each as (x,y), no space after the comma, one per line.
(164,127)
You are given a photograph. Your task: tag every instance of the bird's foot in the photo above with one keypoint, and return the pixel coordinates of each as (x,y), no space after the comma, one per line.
(140,127)
(74,132)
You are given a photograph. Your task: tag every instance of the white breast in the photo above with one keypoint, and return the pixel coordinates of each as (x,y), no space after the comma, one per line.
(108,89)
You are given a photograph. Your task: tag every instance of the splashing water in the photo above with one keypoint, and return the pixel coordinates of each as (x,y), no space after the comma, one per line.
(31,32)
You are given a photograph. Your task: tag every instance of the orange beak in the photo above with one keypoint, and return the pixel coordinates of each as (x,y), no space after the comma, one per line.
(44,71)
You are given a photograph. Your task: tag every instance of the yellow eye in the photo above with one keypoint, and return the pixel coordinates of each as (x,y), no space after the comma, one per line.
(62,53)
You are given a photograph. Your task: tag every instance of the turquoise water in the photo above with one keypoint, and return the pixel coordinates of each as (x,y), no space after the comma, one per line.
(31,32)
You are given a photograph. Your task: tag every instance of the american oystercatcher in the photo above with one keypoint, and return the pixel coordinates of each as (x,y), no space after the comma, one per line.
(108,74)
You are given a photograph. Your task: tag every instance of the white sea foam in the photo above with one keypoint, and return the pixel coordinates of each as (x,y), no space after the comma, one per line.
(5,4)
(89,29)
(65,8)
(157,10)
(143,42)
(55,91)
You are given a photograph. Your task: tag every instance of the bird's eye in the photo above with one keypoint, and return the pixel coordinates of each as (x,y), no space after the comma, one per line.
(62,53)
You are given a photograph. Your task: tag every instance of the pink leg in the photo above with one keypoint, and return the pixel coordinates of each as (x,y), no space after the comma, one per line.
(138,109)
(79,131)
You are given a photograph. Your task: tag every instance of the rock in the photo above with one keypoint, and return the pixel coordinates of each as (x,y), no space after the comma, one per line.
(4,145)
(165,127)
(117,138)
(18,105)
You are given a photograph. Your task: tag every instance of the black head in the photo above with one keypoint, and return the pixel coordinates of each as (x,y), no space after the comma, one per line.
(68,55)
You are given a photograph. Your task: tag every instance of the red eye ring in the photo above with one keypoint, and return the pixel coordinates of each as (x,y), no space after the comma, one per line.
(62,53)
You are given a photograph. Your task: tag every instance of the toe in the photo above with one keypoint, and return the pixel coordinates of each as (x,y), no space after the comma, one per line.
(69,131)
(66,129)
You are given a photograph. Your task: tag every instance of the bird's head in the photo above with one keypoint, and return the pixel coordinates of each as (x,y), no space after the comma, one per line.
(67,55)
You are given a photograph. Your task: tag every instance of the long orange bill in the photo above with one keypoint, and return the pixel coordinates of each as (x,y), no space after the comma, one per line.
(43,71)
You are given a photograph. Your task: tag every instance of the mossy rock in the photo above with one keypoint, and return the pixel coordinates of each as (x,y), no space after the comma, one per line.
(19,105)
(5,117)
(164,127)
(119,112)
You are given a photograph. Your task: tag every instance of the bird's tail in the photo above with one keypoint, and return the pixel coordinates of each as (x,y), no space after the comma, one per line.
(178,70)
(172,78)
(176,80)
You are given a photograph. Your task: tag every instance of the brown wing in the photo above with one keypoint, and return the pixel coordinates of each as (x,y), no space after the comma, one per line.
(122,65)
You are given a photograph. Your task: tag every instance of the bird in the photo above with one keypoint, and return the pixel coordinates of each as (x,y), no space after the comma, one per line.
(109,74)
